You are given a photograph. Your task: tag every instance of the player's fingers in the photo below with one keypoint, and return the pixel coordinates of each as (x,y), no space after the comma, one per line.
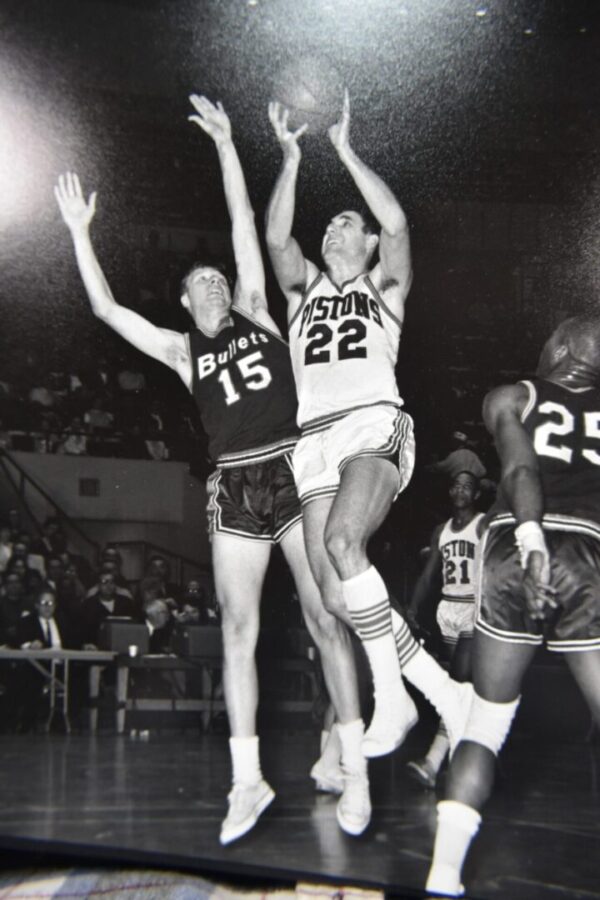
(77,183)
(58,196)
(346,104)
(198,120)
(92,202)
(300,131)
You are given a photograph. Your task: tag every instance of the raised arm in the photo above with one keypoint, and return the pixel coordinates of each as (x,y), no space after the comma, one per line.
(250,287)
(292,270)
(394,272)
(522,488)
(160,343)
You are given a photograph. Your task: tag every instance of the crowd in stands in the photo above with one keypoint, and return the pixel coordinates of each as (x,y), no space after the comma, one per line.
(108,409)
(52,597)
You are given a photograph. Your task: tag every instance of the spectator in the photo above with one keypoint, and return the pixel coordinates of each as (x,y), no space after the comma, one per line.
(13,606)
(158,567)
(159,622)
(22,549)
(112,567)
(76,442)
(53,538)
(54,571)
(99,419)
(102,601)
(197,606)
(45,625)
(38,628)
(30,578)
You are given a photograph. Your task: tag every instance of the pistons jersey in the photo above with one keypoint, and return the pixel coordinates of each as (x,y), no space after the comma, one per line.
(243,386)
(564,427)
(344,346)
(458,560)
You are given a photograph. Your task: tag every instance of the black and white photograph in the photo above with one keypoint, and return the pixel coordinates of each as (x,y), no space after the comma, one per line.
(300,448)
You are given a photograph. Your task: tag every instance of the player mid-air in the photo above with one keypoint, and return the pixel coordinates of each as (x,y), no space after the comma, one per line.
(237,367)
(541,568)
(452,556)
(356,452)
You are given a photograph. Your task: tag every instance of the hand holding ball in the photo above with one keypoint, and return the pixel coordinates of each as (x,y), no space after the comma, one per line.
(311,89)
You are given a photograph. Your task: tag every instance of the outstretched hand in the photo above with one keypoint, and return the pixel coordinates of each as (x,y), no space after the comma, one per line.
(339,134)
(279,116)
(539,593)
(211,118)
(75,210)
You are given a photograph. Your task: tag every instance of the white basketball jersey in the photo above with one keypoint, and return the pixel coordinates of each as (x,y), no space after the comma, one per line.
(344,346)
(458,557)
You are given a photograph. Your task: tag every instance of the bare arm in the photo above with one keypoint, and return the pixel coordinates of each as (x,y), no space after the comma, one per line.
(291,268)
(520,479)
(429,576)
(521,484)
(394,272)
(250,288)
(160,343)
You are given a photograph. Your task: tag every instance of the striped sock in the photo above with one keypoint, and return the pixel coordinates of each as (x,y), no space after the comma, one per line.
(406,645)
(366,598)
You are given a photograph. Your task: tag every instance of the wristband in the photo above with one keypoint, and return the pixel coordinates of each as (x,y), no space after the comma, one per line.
(529,536)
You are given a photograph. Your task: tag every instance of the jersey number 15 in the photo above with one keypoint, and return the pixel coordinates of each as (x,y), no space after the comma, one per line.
(255,375)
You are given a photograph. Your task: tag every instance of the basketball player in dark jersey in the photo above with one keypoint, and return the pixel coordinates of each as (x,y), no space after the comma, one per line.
(237,367)
(541,568)
(356,452)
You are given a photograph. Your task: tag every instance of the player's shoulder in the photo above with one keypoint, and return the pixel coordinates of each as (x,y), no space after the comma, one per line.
(507,398)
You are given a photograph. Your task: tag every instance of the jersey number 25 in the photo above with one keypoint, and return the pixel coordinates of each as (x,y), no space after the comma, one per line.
(546,438)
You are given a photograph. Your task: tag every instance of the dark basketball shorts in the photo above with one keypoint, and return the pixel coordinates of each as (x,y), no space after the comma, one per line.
(258,502)
(574,546)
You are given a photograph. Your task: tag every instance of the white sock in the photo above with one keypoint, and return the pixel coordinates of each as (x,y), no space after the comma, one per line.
(457,826)
(245,760)
(351,736)
(429,677)
(366,598)
(406,645)
(439,748)
(331,748)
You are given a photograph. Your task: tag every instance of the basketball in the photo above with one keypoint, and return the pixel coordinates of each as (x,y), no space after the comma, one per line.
(312,89)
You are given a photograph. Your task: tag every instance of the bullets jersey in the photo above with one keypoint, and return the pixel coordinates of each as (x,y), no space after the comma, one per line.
(458,557)
(243,386)
(344,346)
(564,427)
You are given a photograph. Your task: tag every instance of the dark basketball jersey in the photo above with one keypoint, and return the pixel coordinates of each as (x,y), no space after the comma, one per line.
(243,386)
(564,427)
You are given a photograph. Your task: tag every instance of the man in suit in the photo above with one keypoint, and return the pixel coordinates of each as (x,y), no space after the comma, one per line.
(42,627)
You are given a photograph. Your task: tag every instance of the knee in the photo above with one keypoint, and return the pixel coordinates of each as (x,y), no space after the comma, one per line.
(240,632)
(343,545)
(489,723)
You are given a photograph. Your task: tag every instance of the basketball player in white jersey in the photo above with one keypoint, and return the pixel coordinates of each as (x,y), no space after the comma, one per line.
(357,449)
(453,553)
(237,367)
